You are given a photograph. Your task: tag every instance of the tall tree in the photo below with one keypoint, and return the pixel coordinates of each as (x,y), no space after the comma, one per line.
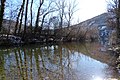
(71,9)
(26,12)
(118,22)
(19,29)
(61,4)
(49,9)
(114,7)
(31,14)
(38,15)
(2,7)
(17,21)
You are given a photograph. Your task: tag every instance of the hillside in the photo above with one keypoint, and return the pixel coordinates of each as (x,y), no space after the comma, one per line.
(91,28)
(96,21)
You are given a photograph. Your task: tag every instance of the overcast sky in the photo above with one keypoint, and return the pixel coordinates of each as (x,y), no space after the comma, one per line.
(86,9)
(90,8)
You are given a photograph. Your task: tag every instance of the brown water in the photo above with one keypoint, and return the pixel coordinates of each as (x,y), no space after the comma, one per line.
(68,61)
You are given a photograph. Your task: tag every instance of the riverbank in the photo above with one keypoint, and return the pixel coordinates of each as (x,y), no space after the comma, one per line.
(117,63)
(116,51)
(12,40)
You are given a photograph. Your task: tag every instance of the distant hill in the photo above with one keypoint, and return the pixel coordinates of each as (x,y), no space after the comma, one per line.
(96,21)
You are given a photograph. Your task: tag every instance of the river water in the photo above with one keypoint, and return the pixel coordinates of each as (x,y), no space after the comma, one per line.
(68,61)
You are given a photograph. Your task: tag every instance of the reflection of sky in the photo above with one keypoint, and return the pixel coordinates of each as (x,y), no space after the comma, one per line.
(88,68)
(80,66)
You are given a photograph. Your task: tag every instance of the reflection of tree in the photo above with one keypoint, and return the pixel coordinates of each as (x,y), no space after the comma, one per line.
(2,69)
(69,71)
(31,65)
(17,63)
(61,61)
(37,63)
(47,62)
(25,65)
(21,64)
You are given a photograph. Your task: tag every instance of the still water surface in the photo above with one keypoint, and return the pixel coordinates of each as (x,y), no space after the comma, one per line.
(68,61)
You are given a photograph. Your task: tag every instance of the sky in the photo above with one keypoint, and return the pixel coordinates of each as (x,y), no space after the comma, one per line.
(90,8)
(86,9)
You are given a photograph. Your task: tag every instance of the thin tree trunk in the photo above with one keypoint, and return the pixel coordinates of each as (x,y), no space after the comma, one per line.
(18,17)
(19,30)
(38,14)
(118,23)
(62,14)
(43,19)
(26,12)
(2,13)
(31,15)
(37,20)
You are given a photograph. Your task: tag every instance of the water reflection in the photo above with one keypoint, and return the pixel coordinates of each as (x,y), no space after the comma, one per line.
(73,61)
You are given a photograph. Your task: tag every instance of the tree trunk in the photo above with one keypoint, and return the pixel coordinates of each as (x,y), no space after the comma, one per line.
(31,15)
(17,22)
(25,18)
(118,23)
(2,13)
(19,30)
(38,14)
(37,20)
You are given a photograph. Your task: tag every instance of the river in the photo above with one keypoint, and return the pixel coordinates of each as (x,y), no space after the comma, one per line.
(65,61)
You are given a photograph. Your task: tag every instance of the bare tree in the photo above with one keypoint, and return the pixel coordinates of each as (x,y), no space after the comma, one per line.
(21,18)
(114,7)
(47,11)
(54,22)
(31,15)
(17,21)
(2,7)
(38,15)
(118,22)
(26,12)
(61,4)
(71,9)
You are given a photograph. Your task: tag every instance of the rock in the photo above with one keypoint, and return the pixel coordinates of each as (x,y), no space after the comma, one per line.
(103,49)
(10,39)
